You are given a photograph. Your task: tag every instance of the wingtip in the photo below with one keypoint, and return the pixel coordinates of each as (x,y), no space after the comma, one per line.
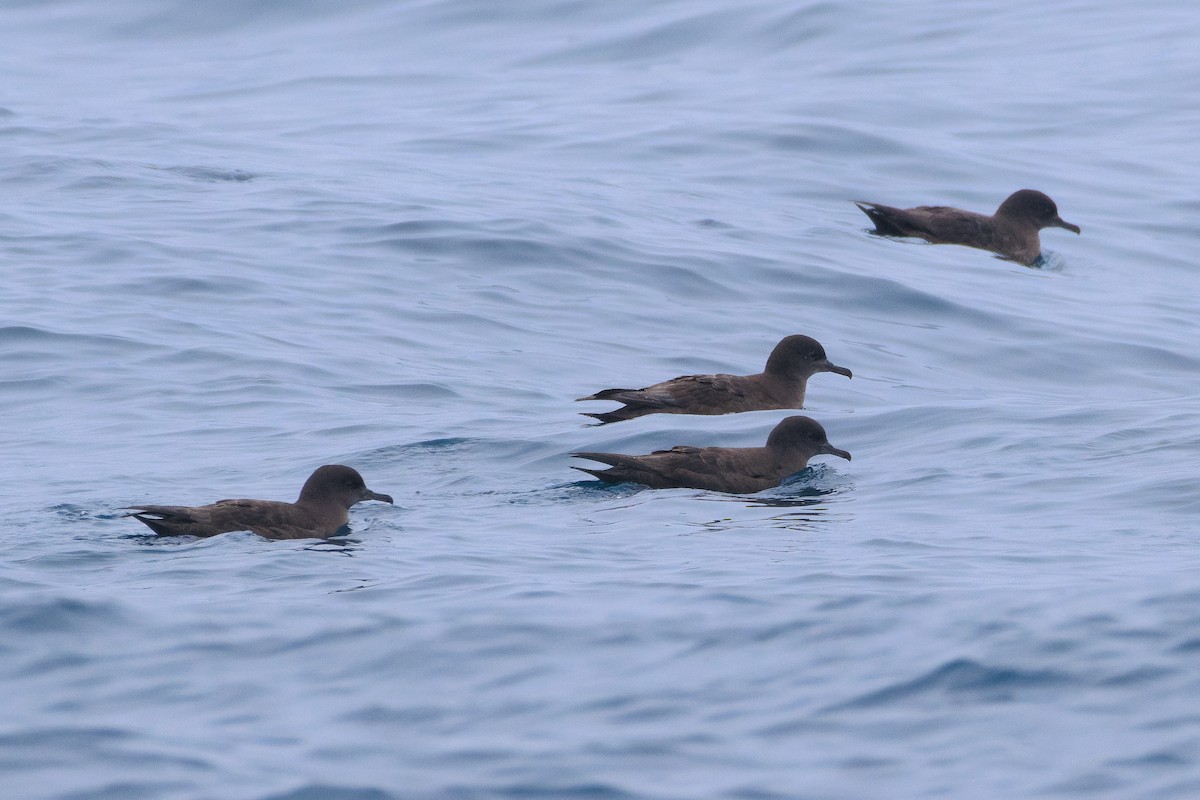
(595,473)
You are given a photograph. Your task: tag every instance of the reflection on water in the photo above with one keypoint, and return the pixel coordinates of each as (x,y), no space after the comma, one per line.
(341,545)
(806,520)
(807,504)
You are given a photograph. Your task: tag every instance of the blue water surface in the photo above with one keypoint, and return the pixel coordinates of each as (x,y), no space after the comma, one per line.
(244,239)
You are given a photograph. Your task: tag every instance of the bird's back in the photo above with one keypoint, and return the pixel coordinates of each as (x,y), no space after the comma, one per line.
(269,518)
(736,470)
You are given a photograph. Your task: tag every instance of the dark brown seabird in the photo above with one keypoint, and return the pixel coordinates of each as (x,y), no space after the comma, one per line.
(1012,232)
(321,510)
(737,470)
(780,385)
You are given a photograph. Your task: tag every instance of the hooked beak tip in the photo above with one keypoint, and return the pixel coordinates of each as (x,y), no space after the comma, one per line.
(834,451)
(830,367)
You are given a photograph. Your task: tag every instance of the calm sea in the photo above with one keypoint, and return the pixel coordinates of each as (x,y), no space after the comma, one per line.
(243,239)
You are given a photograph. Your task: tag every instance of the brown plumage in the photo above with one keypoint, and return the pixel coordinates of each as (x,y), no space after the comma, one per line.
(321,510)
(738,470)
(780,385)
(1012,232)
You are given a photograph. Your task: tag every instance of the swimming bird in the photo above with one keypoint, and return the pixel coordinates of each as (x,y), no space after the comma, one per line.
(1012,232)
(738,470)
(780,385)
(321,510)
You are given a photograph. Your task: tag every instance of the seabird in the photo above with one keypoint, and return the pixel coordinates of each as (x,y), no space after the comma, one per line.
(737,470)
(1012,232)
(319,512)
(780,385)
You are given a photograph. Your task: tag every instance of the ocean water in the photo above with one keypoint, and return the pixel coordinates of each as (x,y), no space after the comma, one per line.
(243,239)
